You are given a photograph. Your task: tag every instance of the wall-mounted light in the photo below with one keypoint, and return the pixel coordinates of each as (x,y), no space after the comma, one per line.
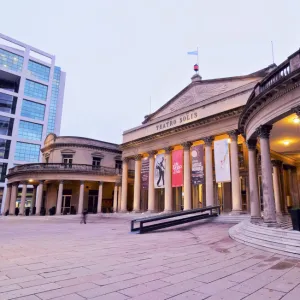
(229,141)
(296,120)
(286,143)
(30,180)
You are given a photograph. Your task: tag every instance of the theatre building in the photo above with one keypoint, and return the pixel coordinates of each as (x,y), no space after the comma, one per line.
(233,142)
(76,173)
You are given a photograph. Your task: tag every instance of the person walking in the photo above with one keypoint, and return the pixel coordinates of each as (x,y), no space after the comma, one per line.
(84,216)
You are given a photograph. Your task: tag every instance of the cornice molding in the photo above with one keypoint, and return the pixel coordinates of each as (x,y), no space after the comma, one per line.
(224,115)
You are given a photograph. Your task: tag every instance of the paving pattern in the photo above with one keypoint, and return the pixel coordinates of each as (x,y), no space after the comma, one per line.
(52,258)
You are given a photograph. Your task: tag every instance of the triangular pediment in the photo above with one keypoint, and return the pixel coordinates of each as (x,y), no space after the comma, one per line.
(198,92)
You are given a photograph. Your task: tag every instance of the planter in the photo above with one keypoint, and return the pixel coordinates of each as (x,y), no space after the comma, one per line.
(52,211)
(17,211)
(27,211)
(295,216)
(34,210)
(43,211)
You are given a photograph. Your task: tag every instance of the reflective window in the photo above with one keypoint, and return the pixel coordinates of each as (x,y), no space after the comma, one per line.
(4,148)
(6,125)
(35,90)
(96,162)
(27,152)
(11,61)
(10,85)
(39,71)
(3,169)
(8,103)
(54,99)
(30,131)
(33,110)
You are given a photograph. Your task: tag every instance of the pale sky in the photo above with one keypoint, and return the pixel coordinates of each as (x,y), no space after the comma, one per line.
(119,53)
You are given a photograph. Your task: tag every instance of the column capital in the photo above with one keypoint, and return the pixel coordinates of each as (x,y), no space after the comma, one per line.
(186,145)
(233,134)
(125,159)
(138,157)
(152,153)
(15,183)
(41,181)
(9,185)
(23,182)
(276,163)
(251,144)
(208,140)
(61,182)
(101,183)
(168,149)
(296,110)
(263,131)
(81,182)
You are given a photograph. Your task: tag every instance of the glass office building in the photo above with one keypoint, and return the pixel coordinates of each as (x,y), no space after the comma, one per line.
(31,99)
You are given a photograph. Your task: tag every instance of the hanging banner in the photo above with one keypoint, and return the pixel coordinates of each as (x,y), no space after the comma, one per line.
(177,168)
(159,175)
(222,163)
(145,173)
(197,165)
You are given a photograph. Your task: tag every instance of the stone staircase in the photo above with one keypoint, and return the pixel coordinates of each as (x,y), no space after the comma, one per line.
(231,218)
(278,240)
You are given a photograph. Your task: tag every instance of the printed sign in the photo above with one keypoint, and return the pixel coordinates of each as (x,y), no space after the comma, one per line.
(159,175)
(222,163)
(177,168)
(197,165)
(145,173)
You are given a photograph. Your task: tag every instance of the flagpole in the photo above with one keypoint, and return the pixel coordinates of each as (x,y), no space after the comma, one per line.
(197,57)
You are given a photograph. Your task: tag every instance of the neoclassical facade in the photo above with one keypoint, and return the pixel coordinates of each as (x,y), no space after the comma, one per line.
(76,173)
(207,111)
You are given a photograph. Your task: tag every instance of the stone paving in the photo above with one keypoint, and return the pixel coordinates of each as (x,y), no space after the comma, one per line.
(58,258)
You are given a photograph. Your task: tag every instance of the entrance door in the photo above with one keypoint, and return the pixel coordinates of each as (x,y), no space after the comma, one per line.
(93,201)
(66,204)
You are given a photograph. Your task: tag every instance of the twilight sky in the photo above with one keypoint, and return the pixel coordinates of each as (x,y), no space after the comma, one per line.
(119,53)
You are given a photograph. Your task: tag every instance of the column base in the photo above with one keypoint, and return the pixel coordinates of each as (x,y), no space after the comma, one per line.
(136,211)
(256,220)
(168,211)
(273,224)
(150,211)
(123,211)
(237,212)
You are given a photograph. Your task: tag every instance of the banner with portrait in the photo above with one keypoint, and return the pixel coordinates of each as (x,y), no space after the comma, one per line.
(145,173)
(177,168)
(159,174)
(197,165)
(222,162)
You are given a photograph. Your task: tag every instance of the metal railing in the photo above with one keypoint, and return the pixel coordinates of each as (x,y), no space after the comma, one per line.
(62,168)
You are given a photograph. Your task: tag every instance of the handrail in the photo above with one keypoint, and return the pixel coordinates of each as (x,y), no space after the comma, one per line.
(61,167)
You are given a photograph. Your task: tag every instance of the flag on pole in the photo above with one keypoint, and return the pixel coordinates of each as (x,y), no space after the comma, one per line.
(193,52)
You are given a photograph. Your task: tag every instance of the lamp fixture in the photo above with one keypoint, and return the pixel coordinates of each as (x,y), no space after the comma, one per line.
(30,180)
(229,141)
(296,120)
(286,143)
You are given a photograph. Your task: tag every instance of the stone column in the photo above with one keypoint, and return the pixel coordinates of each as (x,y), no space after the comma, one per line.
(39,197)
(168,180)
(119,198)
(59,197)
(255,208)
(276,165)
(187,176)
(124,185)
(151,189)
(81,197)
(298,183)
(100,192)
(235,173)
(267,180)
(209,180)
(23,198)
(137,184)
(33,201)
(290,183)
(13,198)
(116,197)
(7,198)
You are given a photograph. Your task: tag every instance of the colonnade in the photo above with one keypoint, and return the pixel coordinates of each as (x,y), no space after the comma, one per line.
(209,177)
(37,197)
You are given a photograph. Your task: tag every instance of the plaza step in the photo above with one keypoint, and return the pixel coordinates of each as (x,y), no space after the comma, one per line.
(278,240)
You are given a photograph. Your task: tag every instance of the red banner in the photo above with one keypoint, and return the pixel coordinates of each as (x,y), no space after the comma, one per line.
(177,168)
(145,173)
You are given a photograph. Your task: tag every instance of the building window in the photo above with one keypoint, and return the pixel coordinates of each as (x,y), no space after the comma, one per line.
(30,131)
(11,61)
(67,160)
(27,152)
(33,110)
(6,125)
(118,166)
(96,162)
(54,100)
(39,71)
(4,148)
(35,90)
(3,169)
(8,103)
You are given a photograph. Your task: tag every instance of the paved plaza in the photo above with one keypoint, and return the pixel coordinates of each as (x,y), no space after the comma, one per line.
(58,258)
